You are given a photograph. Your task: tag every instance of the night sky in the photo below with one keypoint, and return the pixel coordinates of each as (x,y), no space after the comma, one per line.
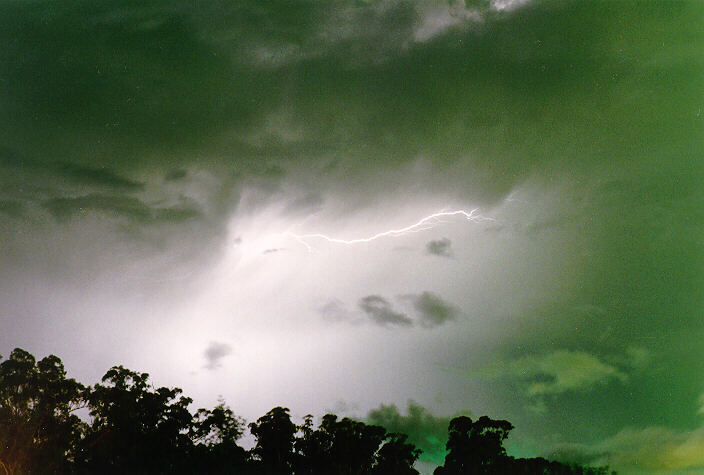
(206,191)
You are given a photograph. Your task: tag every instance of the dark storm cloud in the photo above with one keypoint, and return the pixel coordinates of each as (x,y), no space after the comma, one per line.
(176,174)
(125,87)
(251,93)
(431,309)
(126,75)
(117,206)
(101,177)
(382,312)
(11,208)
(440,247)
(214,354)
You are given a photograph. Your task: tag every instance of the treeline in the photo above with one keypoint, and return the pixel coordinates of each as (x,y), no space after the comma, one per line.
(134,427)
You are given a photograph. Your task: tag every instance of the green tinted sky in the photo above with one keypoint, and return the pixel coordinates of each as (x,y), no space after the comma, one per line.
(157,161)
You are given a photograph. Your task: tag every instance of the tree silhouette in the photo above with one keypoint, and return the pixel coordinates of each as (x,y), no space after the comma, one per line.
(37,427)
(275,434)
(311,449)
(215,434)
(397,456)
(352,447)
(475,447)
(135,427)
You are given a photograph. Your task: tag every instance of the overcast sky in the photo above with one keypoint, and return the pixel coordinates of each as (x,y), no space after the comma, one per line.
(204,191)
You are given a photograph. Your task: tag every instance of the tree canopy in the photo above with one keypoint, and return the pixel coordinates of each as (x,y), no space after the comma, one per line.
(133,427)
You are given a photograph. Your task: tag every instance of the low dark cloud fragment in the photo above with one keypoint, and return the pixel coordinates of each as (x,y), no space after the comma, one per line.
(176,174)
(65,208)
(175,214)
(117,206)
(11,208)
(11,158)
(579,454)
(432,309)
(214,354)
(308,204)
(273,250)
(441,247)
(381,312)
(102,177)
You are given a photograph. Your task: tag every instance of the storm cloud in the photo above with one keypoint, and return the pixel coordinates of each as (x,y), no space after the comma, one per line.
(153,157)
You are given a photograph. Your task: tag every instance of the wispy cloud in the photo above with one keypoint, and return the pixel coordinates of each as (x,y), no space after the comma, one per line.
(559,372)
(637,450)
(334,311)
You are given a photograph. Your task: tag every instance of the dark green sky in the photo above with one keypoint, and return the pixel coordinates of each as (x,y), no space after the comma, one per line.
(158,161)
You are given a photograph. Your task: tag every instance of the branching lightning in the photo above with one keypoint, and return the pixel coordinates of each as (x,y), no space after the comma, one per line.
(424,224)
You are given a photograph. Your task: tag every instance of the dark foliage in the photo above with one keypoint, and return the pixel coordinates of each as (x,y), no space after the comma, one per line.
(135,427)
(477,448)
(37,427)
(352,447)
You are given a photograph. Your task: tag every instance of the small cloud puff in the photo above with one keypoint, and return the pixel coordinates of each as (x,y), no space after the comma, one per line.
(334,311)
(381,311)
(432,310)
(214,353)
(441,247)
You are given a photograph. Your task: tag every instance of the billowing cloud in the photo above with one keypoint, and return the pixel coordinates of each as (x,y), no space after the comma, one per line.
(426,431)
(214,354)
(439,247)
(381,311)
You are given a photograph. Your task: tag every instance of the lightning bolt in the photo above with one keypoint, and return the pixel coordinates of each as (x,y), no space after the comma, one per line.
(424,224)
